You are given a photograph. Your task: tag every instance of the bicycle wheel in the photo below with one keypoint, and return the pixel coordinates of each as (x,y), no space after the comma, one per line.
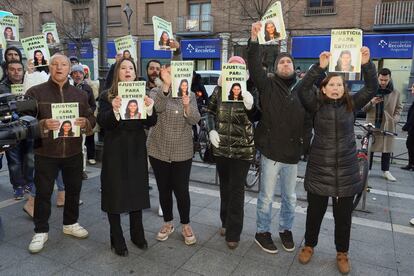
(363,172)
(202,144)
(253,174)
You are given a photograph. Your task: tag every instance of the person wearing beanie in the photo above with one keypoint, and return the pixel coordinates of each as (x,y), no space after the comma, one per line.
(279,137)
(231,133)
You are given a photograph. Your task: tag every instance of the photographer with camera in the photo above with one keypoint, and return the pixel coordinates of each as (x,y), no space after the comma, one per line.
(383,111)
(19,158)
(58,154)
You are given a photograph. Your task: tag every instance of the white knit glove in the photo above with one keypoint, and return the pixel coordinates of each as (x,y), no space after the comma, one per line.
(248,100)
(214,138)
(149,108)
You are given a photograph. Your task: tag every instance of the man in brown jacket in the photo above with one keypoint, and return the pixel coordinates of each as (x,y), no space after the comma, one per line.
(63,153)
(383,111)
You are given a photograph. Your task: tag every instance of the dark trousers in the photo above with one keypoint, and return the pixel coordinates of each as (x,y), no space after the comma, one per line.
(385,161)
(173,177)
(90,146)
(20,160)
(232,174)
(136,228)
(342,211)
(410,147)
(46,171)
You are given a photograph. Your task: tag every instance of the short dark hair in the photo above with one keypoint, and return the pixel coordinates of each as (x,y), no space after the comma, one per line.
(14,62)
(153,60)
(384,72)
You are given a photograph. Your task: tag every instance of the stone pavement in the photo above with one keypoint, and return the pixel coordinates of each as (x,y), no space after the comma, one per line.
(382,241)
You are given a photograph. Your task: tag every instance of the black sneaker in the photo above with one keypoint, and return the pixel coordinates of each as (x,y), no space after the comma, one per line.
(264,240)
(287,240)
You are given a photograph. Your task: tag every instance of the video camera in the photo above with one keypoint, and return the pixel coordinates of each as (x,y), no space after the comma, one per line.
(13,126)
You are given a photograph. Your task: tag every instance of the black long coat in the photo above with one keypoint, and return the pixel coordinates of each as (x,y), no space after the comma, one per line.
(124,175)
(332,168)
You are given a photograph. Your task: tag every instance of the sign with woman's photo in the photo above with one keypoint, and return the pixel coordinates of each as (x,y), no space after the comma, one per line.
(346,47)
(233,79)
(9,26)
(66,113)
(132,94)
(181,75)
(17,89)
(127,45)
(163,34)
(273,26)
(36,50)
(49,30)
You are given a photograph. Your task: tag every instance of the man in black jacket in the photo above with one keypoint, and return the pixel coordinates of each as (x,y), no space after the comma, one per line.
(279,137)
(409,127)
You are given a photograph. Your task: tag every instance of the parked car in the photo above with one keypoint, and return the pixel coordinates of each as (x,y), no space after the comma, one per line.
(354,86)
(209,79)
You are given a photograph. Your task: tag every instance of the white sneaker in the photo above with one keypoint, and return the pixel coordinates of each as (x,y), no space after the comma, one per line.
(389,177)
(412,221)
(75,230)
(92,161)
(160,213)
(38,242)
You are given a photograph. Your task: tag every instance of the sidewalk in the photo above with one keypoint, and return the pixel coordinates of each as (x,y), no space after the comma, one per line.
(382,241)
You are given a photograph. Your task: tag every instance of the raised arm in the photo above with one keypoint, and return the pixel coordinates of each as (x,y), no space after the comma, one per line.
(256,71)
(160,94)
(369,72)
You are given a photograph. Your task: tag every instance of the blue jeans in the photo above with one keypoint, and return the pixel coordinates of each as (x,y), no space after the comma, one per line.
(268,179)
(20,160)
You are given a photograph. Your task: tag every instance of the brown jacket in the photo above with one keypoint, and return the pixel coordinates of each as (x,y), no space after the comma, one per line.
(392,112)
(48,93)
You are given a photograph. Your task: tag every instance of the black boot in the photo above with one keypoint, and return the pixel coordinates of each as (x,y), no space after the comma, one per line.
(137,230)
(118,245)
(409,167)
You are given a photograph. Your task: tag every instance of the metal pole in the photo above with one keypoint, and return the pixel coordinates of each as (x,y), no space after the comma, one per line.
(103,62)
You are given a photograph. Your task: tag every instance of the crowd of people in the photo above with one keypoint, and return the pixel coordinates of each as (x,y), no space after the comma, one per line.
(284,108)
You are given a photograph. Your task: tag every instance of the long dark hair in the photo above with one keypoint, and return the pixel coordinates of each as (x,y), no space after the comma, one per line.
(5,35)
(267,35)
(62,132)
(231,96)
(346,98)
(35,62)
(50,40)
(161,43)
(127,113)
(180,91)
(113,90)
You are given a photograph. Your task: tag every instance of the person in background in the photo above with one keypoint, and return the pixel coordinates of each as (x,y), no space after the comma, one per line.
(383,111)
(409,127)
(11,53)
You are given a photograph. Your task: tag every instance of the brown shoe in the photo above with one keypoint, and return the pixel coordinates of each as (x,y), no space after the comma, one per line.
(343,263)
(29,206)
(232,245)
(305,254)
(60,199)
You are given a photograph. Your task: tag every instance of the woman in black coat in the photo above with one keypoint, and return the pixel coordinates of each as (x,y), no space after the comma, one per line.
(124,175)
(332,169)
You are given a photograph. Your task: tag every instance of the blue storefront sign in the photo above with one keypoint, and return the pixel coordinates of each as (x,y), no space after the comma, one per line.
(201,48)
(397,46)
(85,50)
(147,51)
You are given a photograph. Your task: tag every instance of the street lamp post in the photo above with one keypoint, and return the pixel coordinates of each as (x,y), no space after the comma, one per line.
(128,12)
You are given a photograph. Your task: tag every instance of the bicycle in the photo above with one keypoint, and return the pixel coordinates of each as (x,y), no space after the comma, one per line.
(253,176)
(363,155)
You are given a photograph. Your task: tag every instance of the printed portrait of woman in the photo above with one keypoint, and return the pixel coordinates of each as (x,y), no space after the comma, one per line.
(183,88)
(8,34)
(132,110)
(235,93)
(164,40)
(39,58)
(50,39)
(270,31)
(66,129)
(127,54)
(344,63)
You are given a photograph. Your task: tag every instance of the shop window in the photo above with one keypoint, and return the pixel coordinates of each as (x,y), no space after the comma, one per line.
(151,9)
(114,15)
(203,64)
